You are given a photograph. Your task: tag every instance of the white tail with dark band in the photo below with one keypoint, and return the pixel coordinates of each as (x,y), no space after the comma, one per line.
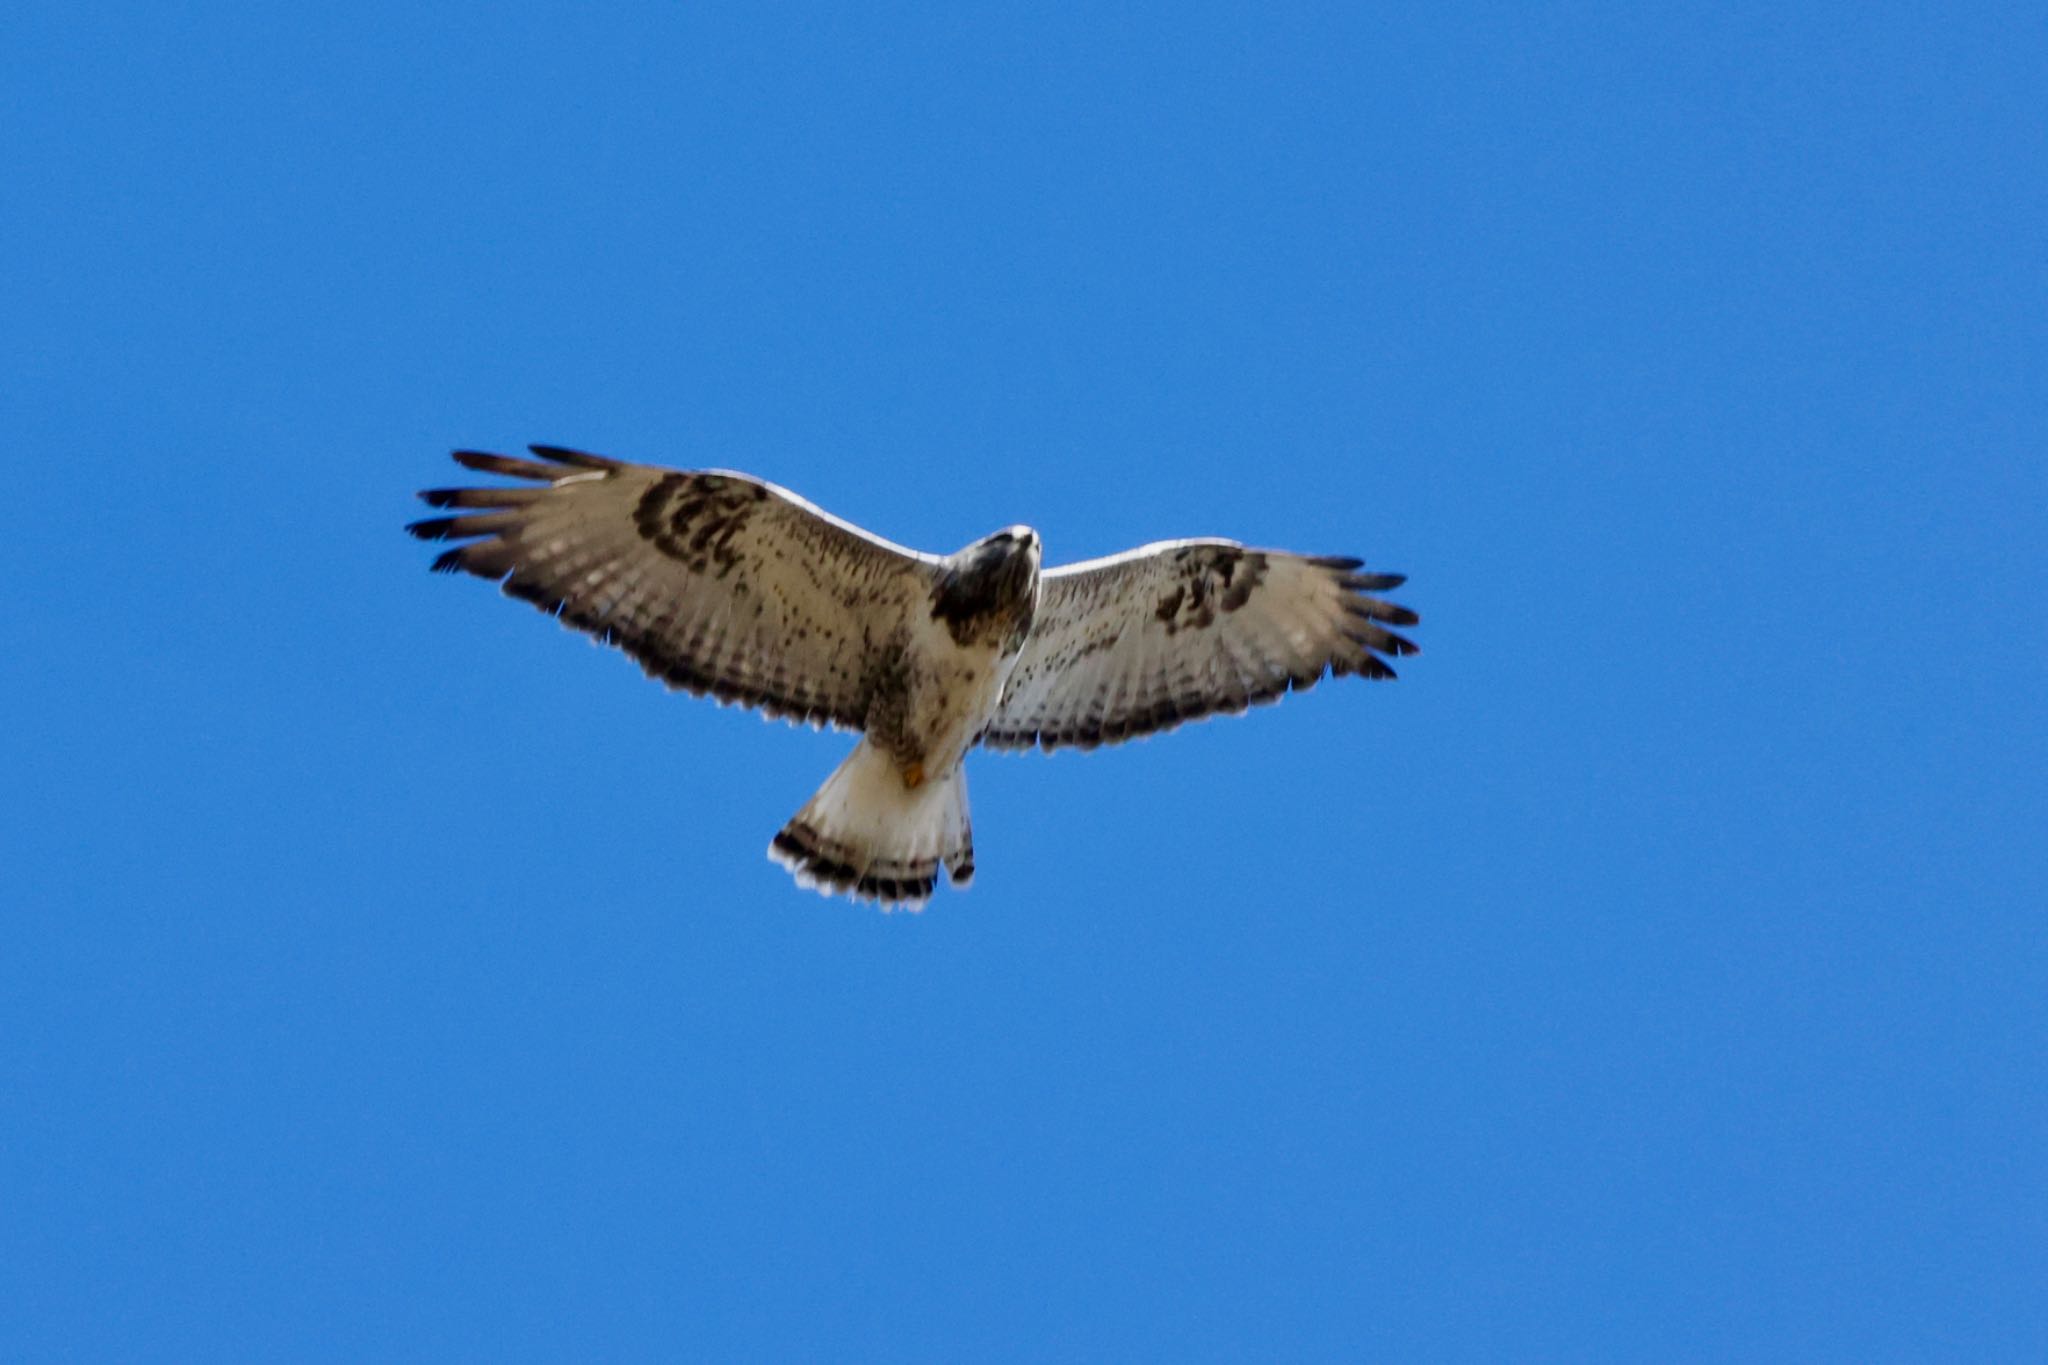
(867,834)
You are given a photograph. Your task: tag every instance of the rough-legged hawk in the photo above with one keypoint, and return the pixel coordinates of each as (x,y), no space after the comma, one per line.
(717,582)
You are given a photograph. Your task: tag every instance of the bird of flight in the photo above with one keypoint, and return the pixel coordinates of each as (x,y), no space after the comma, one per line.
(720,583)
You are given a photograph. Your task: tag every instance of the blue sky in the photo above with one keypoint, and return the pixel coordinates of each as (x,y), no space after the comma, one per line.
(1656,971)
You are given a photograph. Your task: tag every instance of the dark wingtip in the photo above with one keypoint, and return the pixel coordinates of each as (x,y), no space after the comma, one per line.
(449,562)
(1384,613)
(485,462)
(431,528)
(566,455)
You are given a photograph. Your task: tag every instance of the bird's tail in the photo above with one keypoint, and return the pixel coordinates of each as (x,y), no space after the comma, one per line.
(867,834)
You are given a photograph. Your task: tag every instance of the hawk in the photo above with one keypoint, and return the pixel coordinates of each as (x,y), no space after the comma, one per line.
(722,584)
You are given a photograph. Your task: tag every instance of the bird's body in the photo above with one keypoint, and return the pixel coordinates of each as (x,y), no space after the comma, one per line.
(719,583)
(958,655)
(897,808)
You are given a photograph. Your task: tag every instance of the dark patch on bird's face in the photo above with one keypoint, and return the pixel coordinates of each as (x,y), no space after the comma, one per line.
(696,519)
(1209,579)
(989,591)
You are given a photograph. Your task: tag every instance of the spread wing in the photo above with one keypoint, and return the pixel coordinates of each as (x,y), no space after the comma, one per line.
(1172,632)
(714,582)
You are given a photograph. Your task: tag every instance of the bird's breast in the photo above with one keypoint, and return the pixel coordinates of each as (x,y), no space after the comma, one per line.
(954,691)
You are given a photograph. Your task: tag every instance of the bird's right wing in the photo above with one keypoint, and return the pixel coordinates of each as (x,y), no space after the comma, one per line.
(715,582)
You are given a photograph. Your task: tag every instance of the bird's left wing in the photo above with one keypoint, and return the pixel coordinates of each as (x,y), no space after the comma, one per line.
(1172,632)
(715,582)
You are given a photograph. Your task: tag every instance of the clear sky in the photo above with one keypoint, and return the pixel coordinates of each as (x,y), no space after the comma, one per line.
(1656,971)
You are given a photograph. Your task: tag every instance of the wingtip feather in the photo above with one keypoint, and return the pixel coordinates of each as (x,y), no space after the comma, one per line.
(485,462)
(580,458)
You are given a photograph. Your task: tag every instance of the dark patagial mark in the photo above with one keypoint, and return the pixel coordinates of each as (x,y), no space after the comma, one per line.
(1212,579)
(696,518)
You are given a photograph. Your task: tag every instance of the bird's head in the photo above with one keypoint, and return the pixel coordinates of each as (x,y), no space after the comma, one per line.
(990,588)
